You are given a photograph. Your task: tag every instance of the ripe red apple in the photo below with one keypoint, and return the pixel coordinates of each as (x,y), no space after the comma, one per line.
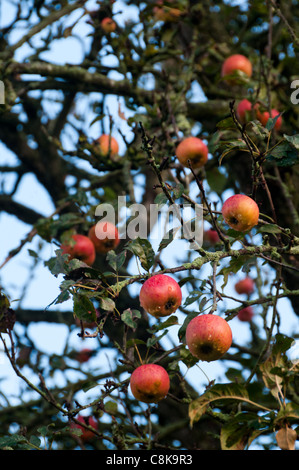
(263,117)
(104,236)
(160,295)
(240,212)
(149,383)
(234,63)
(245,286)
(211,236)
(193,149)
(84,355)
(245,314)
(243,110)
(208,337)
(82,249)
(108,25)
(107,145)
(86,435)
(166,13)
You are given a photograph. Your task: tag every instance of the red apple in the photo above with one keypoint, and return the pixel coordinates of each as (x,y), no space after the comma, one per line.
(166,13)
(211,236)
(208,337)
(149,383)
(86,434)
(243,110)
(107,145)
(245,314)
(160,295)
(108,25)
(236,62)
(104,236)
(245,286)
(193,149)
(82,249)
(84,355)
(240,212)
(263,117)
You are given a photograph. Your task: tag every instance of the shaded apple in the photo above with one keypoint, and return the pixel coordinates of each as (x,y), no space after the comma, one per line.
(81,248)
(208,337)
(108,25)
(104,236)
(245,286)
(107,145)
(166,13)
(245,314)
(160,295)
(263,117)
(244,109)
(84,355)
(211,236)
(240,212)
(86,434)
(149,383)
(234,63)
(193,149)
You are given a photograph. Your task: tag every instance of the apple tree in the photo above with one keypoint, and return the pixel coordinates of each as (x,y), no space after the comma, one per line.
(150,76)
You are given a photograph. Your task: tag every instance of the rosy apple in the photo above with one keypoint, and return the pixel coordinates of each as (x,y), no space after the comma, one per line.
(104,236)
(208,337)
(166,13)
(108,25)
(245,314)
(243,110)
(263,117)
(81,248)
(234,63)
(193,149)
(107,145)
(211,236)
(86,434)
(160,295)
(245,286)
(240,212)
(149,383)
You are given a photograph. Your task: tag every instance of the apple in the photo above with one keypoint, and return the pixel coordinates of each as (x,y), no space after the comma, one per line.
(245,286)
(208,337)
(245,314)
(193,149)
(243,109)
(160,295)
(236,62)
(87,434)
(240,212)
(84,355)
(166,13)
(107,145)
(81,248)
(108,25)
(263,117)
(211,236)
(104,236)
(149,383)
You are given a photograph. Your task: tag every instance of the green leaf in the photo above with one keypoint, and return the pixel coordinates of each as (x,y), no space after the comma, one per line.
(232,391)
(107,304)
(116,261)
(84,308)
(128,317)
(144,251)
(234,266)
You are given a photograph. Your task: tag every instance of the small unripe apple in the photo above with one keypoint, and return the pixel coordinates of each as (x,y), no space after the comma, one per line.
(160,295)
(104,236)
(211,236)
(243,110)
(240,212)
(166,13)
(193,149)
(86,434)
(108,25)
(208,337)
(245,314)
(82,249)
(149,383)
(107,145)
(236,62)
(263,117)
(245,286)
